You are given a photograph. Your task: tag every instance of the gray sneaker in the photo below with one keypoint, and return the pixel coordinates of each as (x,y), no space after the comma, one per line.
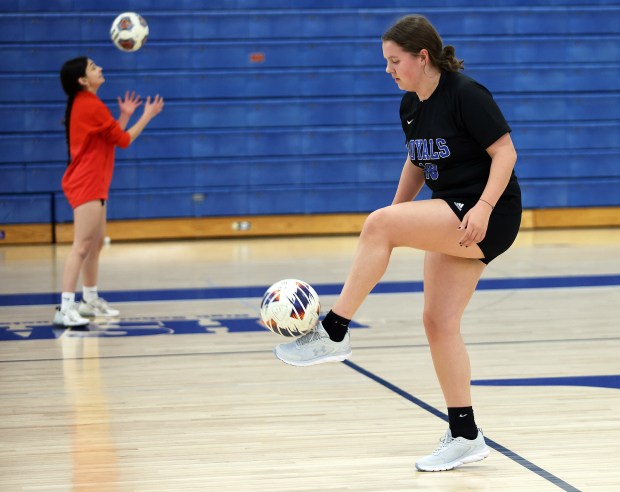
(314,348)
(453,452)
(97,307)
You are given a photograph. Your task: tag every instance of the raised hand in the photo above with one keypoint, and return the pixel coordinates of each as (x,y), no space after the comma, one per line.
(153,108)
(129,103)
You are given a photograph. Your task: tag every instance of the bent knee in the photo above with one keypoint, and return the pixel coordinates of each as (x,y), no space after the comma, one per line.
(377,223)
(438,325)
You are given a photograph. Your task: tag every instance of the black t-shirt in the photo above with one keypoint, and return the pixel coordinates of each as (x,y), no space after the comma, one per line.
(448,134)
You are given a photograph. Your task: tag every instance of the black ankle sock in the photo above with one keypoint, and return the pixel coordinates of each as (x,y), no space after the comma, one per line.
(462,423)
(335,326)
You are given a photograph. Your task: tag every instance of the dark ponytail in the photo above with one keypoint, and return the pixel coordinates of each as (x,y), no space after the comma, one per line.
(413,33)
(70,74)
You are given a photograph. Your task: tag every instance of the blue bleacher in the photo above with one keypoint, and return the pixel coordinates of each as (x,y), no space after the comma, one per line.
(244,137)
(332,23)
(31,208)
(253,5)
(315,111)
(317,141)
(304,54)
(522,79)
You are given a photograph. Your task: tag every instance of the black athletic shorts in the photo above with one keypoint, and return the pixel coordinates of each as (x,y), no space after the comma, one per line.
(502,230)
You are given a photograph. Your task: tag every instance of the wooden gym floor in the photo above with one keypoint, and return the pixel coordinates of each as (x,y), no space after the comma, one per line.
(183,392)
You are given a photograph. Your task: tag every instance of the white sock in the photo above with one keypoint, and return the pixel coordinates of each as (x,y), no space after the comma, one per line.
(89,293)
(66,300)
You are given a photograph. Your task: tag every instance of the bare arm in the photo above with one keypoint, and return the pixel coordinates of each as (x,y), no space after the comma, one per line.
(503,160)
(127,105)
(410,184)
(151,109)
(123,119)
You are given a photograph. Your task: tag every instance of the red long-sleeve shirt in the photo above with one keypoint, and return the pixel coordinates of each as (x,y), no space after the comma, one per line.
(93,134)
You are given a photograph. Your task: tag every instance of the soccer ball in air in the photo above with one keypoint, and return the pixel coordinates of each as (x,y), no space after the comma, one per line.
(129,31)
(290,308)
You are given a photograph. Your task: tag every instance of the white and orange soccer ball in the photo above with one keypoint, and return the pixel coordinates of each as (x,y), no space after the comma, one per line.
(290,308)
(129,31)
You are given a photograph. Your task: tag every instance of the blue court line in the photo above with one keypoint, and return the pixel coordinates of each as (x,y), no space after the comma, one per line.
(498,447)
(606,381)
(210,293)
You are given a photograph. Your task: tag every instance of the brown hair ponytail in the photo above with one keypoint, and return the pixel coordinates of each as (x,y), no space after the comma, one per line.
(413,33)
(448,61)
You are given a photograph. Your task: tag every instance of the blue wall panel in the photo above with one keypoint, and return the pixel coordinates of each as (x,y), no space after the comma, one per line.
(216,55)
(319,199)
(294,24)
(25,209)
(253,83)
(192,5)
(315,111)
(310,142)
(42,177)
(560,164)
(313,170)
(571,193)
(313,127)
(12,178)
(214,173)
(229,201)
(62,210)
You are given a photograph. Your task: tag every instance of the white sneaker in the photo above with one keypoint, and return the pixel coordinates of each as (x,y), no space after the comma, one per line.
(314,348)
(69,317)
(97,307)
(453,452)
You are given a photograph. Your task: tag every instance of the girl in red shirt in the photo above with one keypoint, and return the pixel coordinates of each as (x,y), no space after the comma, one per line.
(92,134)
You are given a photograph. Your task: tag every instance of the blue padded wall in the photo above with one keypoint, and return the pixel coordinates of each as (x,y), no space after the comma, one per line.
(281,107)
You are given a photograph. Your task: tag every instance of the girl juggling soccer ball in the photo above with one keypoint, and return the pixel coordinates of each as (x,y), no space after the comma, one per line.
(92,134)
(459,145)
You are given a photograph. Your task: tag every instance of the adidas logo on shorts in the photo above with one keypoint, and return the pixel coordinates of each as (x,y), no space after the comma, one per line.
(459,205)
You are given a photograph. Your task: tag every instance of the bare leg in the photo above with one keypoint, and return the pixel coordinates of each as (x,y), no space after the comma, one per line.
(428,225)
(449,283)
(87,220)
(90,268)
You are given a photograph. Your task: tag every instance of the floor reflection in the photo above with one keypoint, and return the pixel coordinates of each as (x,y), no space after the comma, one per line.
(95,459)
